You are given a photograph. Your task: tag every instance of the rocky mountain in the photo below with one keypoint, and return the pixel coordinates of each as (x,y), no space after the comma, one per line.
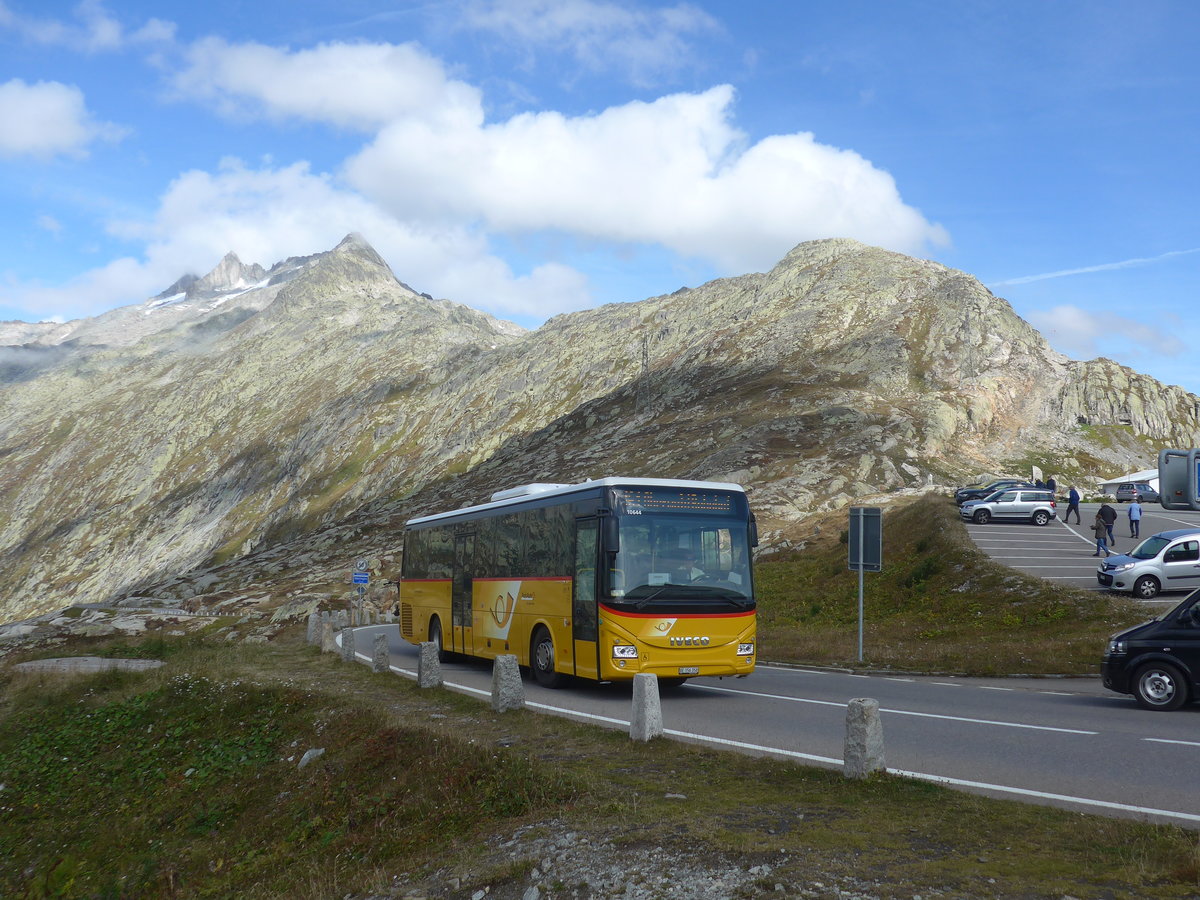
(248,419)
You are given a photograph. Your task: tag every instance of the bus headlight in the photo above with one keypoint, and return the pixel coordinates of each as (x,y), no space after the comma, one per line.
(746,649)
(624,651)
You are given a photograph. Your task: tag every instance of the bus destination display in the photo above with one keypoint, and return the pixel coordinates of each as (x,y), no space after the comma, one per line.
(634,501)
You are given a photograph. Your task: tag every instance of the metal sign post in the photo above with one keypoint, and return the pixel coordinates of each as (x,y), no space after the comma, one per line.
(866,552)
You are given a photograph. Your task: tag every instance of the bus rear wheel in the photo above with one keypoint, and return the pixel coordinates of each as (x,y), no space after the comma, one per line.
(541,659)
(435,636)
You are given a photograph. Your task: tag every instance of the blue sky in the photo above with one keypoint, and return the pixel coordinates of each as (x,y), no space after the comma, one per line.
(529,157)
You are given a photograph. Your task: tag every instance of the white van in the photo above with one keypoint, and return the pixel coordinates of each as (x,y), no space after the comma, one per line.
(1167,561)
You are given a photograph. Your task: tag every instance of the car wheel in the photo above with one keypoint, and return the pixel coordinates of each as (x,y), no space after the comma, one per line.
(1041,517)
(1159,686)
(982,516)
(1146,587)
(541,659)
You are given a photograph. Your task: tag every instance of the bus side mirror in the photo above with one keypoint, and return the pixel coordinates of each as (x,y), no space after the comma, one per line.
(612,534)
(753,531)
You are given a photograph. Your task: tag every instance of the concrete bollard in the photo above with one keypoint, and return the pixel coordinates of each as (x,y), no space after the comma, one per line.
(646,722)
(429,670)
(354,615)
(314,624)
(347,645)
(864,739)
(327,644)
(379,654)
(507,690)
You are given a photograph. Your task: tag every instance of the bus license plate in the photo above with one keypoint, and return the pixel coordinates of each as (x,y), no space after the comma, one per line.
(689,670)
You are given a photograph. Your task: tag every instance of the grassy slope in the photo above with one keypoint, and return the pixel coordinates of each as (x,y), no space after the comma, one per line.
(184,782)
(939,605)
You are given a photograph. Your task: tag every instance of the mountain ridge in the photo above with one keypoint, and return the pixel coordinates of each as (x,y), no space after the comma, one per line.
(339,394)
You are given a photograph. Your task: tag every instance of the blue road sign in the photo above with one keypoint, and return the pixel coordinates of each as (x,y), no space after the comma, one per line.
(361,578)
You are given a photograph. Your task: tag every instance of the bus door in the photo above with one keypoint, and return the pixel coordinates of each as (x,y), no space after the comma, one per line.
(583,598)
(460,593)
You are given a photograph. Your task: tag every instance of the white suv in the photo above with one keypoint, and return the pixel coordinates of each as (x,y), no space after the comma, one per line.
(1036,506)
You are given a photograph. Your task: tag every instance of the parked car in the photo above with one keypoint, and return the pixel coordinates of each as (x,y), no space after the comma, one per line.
(1158,661)
(1136,490)
(1035,505)
(1167,561)
(979,492)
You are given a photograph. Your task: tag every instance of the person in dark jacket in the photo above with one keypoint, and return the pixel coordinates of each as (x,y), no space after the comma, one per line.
(1101,528)
(1073,499)
(1051,484)
(1109,515)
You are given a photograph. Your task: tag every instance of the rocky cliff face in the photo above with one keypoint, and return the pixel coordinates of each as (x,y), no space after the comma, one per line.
(285,406)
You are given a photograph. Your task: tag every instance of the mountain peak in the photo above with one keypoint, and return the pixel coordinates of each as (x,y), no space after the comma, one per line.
(230,274)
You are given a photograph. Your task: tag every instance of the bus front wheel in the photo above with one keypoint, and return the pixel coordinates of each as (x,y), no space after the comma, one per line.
(541,659)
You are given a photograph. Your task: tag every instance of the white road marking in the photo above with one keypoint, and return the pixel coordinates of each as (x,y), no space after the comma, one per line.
(1166,741)
(897,712)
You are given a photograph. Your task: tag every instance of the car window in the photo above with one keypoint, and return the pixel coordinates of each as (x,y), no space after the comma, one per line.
(1007,497)
(1183,552)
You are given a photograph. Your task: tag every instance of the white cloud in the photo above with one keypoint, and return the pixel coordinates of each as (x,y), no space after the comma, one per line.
(1086,334)
(95,29)
(601,36)
(49,223)
(1102,267)
(674,172)
(358,86)
(266,215)
(46,119)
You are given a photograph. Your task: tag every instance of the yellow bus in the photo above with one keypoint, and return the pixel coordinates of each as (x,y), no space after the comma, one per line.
(601,580)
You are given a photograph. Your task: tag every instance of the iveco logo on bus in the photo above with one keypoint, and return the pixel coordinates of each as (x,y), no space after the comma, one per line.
(690,641)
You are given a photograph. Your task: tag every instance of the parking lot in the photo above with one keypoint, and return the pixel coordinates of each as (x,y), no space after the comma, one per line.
(1063,553)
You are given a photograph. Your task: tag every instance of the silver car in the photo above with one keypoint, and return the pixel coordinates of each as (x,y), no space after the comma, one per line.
(1167,561)
(1036,506)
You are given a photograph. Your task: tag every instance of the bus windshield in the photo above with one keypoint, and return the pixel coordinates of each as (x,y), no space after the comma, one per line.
(672,558)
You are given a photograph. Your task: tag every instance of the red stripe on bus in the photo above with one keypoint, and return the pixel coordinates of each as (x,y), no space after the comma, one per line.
(424,580)
(640,615)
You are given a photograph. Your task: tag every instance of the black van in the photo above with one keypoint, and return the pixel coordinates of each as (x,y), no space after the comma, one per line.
(1158,661)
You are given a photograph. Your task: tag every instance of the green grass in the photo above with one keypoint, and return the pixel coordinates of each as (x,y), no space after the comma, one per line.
(187,784)
(939,605)
(184,783)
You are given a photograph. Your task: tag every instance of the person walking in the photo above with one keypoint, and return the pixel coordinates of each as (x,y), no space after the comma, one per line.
(1109,515)
(1100,529)
(1135,518)
(1073,499)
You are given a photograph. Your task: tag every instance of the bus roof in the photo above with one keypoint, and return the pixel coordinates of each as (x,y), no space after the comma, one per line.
(526,493)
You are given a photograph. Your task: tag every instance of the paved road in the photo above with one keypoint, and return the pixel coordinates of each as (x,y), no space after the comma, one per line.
(1065,742)
(1063,553)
